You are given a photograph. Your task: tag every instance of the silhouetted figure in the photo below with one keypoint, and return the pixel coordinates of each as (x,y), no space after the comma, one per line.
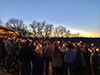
(79,62)
(47,54)
(10,54)
(38,64)
(2,52)
(96,63)
(87,55)
(16,59)
(69,57)
(57,61)
(25,56)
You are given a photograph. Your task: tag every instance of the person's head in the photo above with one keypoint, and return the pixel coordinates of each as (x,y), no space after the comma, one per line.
(27,42)
(81,45)
(32,43)
(12,41)
(70,46)
(56,47)
(64,46)
(1,39)
(6,39)
(78,48)
(17,43)
(86,48)
(52,42)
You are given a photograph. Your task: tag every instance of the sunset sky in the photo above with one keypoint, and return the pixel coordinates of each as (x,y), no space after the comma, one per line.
(81,16)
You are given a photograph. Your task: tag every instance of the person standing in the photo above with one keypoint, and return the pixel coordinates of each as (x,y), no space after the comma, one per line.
(69,57)
(47,54)
(2,52)
(37,62)
(79,62)
(25,56)
(87,56)
(57,61)
(10,54)
(96,63)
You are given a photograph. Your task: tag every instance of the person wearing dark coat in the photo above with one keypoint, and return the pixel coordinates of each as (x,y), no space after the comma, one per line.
(2,52)
(96,63)
(79,62)
(25,56)
(87,55)
(38,64)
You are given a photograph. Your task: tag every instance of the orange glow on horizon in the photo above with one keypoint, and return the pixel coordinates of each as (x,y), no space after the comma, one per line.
(85,33)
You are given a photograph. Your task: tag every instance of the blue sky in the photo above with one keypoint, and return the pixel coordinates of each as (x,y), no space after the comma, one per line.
(79,15)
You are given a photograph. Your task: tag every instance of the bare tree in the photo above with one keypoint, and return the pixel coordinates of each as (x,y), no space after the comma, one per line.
(40,28)
(17,25)
(34,26)
(37,28)
(29,33)
(68,33)
(48,30)
(60,31)
(56,32)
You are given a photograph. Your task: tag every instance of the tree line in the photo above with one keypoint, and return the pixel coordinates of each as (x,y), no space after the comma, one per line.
(37,29)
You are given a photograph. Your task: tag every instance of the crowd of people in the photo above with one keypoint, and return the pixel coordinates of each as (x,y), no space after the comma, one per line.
(29,57)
